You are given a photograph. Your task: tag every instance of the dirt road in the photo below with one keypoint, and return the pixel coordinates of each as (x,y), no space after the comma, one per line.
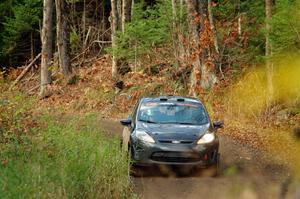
(244,173)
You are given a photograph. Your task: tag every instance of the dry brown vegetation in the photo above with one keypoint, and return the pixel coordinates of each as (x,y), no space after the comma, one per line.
(249,117)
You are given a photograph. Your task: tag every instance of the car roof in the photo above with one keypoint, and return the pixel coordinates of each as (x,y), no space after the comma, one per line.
(171,99)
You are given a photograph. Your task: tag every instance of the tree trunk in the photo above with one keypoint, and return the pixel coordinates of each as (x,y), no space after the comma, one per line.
(199,54)
(83,23)
(132,7)
(47,54)
(191,6)
(239,20)
(119,9)
(126,13)
(208,77)
(212,26)
(31,45)
(63,36)
(114,28)
(269,64)
(181,32)
(175,31)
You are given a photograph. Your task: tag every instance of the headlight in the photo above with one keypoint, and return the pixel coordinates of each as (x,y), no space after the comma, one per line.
(207,138)
(142,135)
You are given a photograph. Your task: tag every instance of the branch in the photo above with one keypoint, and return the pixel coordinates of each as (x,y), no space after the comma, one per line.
(24,72)
(84,51)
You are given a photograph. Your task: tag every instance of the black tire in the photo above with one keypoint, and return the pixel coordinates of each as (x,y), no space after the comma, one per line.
(216,167)
(135,170)
(212,170)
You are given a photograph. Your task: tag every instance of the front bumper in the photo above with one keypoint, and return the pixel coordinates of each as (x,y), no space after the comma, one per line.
(147,154)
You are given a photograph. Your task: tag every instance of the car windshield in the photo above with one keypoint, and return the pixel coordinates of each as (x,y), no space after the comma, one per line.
(173,113)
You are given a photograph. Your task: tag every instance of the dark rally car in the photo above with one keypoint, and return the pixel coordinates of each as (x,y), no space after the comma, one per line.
(171,131)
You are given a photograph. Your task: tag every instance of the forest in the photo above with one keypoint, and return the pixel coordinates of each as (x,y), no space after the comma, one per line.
(70,68)
(234,36)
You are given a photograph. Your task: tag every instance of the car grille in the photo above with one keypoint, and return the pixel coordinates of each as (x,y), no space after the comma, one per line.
(175,157)
(176,142)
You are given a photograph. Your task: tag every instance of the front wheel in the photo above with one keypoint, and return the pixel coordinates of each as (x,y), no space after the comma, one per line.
(212,170)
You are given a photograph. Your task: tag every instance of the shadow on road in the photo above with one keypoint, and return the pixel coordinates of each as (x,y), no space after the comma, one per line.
(174,171)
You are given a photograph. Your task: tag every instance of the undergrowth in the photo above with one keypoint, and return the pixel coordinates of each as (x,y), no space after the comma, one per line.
(58,157)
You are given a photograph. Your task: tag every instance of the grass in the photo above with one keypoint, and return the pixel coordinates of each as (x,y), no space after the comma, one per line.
(63,158)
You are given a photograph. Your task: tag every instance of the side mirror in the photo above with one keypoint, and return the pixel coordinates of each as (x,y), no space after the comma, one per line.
(218,124)
(126,122)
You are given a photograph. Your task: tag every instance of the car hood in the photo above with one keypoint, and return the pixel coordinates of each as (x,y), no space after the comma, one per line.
(174,131)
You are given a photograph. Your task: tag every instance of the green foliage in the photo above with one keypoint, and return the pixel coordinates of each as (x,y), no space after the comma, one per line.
(18,20)
(149,27)
(5,10)
(247,48)
(74,40)
(285,34)
(25,17)
(232,170)
(58,157)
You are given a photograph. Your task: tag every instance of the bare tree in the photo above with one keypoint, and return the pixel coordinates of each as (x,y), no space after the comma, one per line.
(268,52)
(132,6)
(47,53)
(63,36)
(126,12)
(119,8)
(175,31)
(121,11)
(114,18)
(197,17)
(212,26)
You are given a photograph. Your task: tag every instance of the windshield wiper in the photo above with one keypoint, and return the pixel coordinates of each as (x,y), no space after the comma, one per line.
(148,121)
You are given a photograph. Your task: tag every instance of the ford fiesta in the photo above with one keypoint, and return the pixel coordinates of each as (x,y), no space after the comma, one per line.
(171,131)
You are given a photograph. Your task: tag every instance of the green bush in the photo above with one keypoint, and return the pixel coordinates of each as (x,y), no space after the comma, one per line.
(64,158)
(148,28)
(247,48)
(24,17)
(286,27)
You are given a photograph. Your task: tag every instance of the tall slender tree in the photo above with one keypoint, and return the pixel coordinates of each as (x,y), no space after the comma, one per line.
(175,31)
(126,12)
(268,51)
(47,53)
(115,21)
(63,36)
(212,26)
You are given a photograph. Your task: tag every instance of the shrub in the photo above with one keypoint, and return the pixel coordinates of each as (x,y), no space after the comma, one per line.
(15,117)
(60,158)
(148,28)
(285,27)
